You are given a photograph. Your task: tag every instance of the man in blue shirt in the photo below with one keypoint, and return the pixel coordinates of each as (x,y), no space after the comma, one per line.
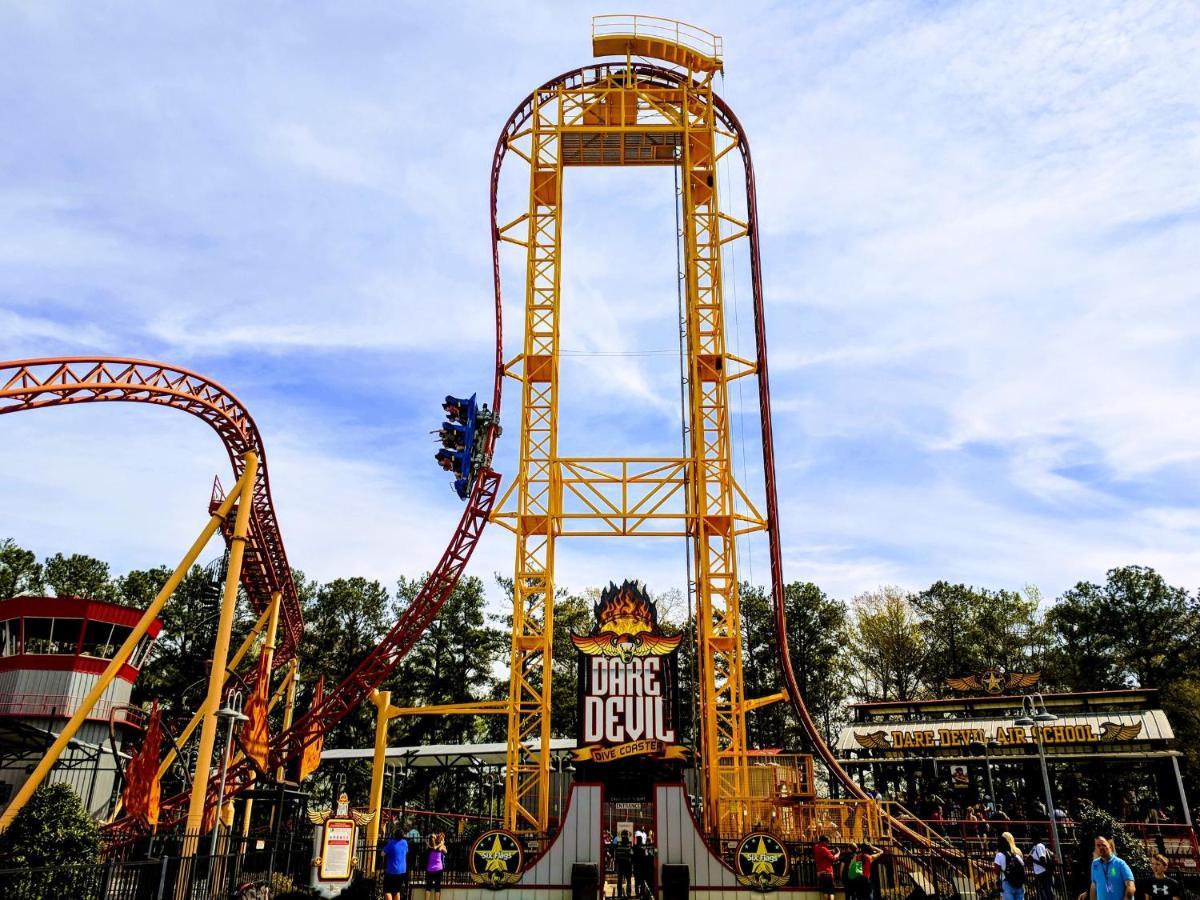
(395,866)
(1112,879)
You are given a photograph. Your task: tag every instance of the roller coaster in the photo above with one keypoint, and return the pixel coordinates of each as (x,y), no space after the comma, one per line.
(622,111)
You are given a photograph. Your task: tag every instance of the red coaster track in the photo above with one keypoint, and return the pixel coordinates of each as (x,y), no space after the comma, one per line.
(40,383)
(35,384)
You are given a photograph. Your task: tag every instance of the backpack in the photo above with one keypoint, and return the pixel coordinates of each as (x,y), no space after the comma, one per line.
(1014,870)
(1046,860)
(855,871)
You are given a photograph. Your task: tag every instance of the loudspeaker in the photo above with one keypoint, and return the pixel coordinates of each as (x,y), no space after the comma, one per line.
(676,880)
(585,881)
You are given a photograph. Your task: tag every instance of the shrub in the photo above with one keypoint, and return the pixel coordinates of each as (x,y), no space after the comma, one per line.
(53,834)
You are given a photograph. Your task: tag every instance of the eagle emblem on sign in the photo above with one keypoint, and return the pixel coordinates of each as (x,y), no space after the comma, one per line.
(496,859)
(875,740)
(994,680)
(1115,731)
(761,863)
(626,626)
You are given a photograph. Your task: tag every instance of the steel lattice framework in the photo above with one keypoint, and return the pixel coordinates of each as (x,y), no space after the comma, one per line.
(37,384)
(630,114)
(40,383)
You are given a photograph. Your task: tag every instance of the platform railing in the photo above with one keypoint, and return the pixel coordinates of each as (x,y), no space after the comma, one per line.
(63,706)
(658,28)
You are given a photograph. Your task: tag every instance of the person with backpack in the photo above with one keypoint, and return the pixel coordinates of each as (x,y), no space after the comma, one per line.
(624,855)
(1042,859)
(1010,863)
(858,872)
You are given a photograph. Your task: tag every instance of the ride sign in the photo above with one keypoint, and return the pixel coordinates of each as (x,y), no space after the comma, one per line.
(627,677)
(761,862)
(496,859)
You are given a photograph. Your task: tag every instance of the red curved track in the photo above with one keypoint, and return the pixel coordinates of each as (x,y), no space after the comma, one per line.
(66,381)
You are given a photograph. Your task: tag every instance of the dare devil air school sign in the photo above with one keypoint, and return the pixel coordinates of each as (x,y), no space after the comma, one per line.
(627,680)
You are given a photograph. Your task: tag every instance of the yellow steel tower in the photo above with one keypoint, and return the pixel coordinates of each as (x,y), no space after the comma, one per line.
(625,113)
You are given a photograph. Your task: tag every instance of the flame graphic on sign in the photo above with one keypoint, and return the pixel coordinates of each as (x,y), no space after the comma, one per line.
(626,625)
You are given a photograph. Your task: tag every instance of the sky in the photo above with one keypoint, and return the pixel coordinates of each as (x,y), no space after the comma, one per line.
(981,234)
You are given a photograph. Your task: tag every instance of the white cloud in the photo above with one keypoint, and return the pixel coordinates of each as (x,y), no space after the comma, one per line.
(979,225)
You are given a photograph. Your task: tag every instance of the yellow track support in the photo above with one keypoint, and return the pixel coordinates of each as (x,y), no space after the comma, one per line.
(244,486)
(615,117)
(539,500)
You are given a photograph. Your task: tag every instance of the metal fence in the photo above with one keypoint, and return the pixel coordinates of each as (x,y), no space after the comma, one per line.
(257,868)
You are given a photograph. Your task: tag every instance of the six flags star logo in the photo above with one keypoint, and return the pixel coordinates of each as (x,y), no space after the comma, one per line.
(761,863)
(496,859)
(626,626)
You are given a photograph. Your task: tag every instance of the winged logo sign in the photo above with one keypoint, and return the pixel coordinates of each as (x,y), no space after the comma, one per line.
(761,863)
(627,677)
(994,681)
(496,859)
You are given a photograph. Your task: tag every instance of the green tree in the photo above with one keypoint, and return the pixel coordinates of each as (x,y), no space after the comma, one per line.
(176,671)
(761,675)
(54,832)
(1134,630)
(886,646)
(451,663)
(344,620)
(79,575)
(20,572)
(968,629)
(818,635)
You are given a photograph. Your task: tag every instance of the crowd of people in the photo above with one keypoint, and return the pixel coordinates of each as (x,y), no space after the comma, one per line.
(1026,870)
(632,858)
(1022,875)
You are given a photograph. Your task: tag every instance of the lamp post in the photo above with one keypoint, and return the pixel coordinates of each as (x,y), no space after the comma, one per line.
(232,712)
(1035,716)
(561,765)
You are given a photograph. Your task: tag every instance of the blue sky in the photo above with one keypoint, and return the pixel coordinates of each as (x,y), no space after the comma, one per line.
(981,229)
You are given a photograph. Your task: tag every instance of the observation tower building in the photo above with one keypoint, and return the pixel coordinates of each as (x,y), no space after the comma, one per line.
(52,652)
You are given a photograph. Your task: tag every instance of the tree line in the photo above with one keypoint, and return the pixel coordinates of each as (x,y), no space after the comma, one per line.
(1131,630)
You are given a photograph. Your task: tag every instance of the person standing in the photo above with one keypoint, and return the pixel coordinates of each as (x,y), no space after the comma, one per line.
(624,855)
(1112,879)
(434,865)
(1011,866)
(858,872)
(395,865)
(643,868)
(824,856)
(1042,859)
(1160,887)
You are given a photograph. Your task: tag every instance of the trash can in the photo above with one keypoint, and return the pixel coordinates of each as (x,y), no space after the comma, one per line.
(676,880)
(585,881)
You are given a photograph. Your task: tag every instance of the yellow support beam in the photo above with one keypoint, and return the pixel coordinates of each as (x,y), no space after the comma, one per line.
(289,710)
(122,656)
(760,702)
(538,490)
(383,706)
(268,650)
(194,722)
(216,680)
(474,708)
